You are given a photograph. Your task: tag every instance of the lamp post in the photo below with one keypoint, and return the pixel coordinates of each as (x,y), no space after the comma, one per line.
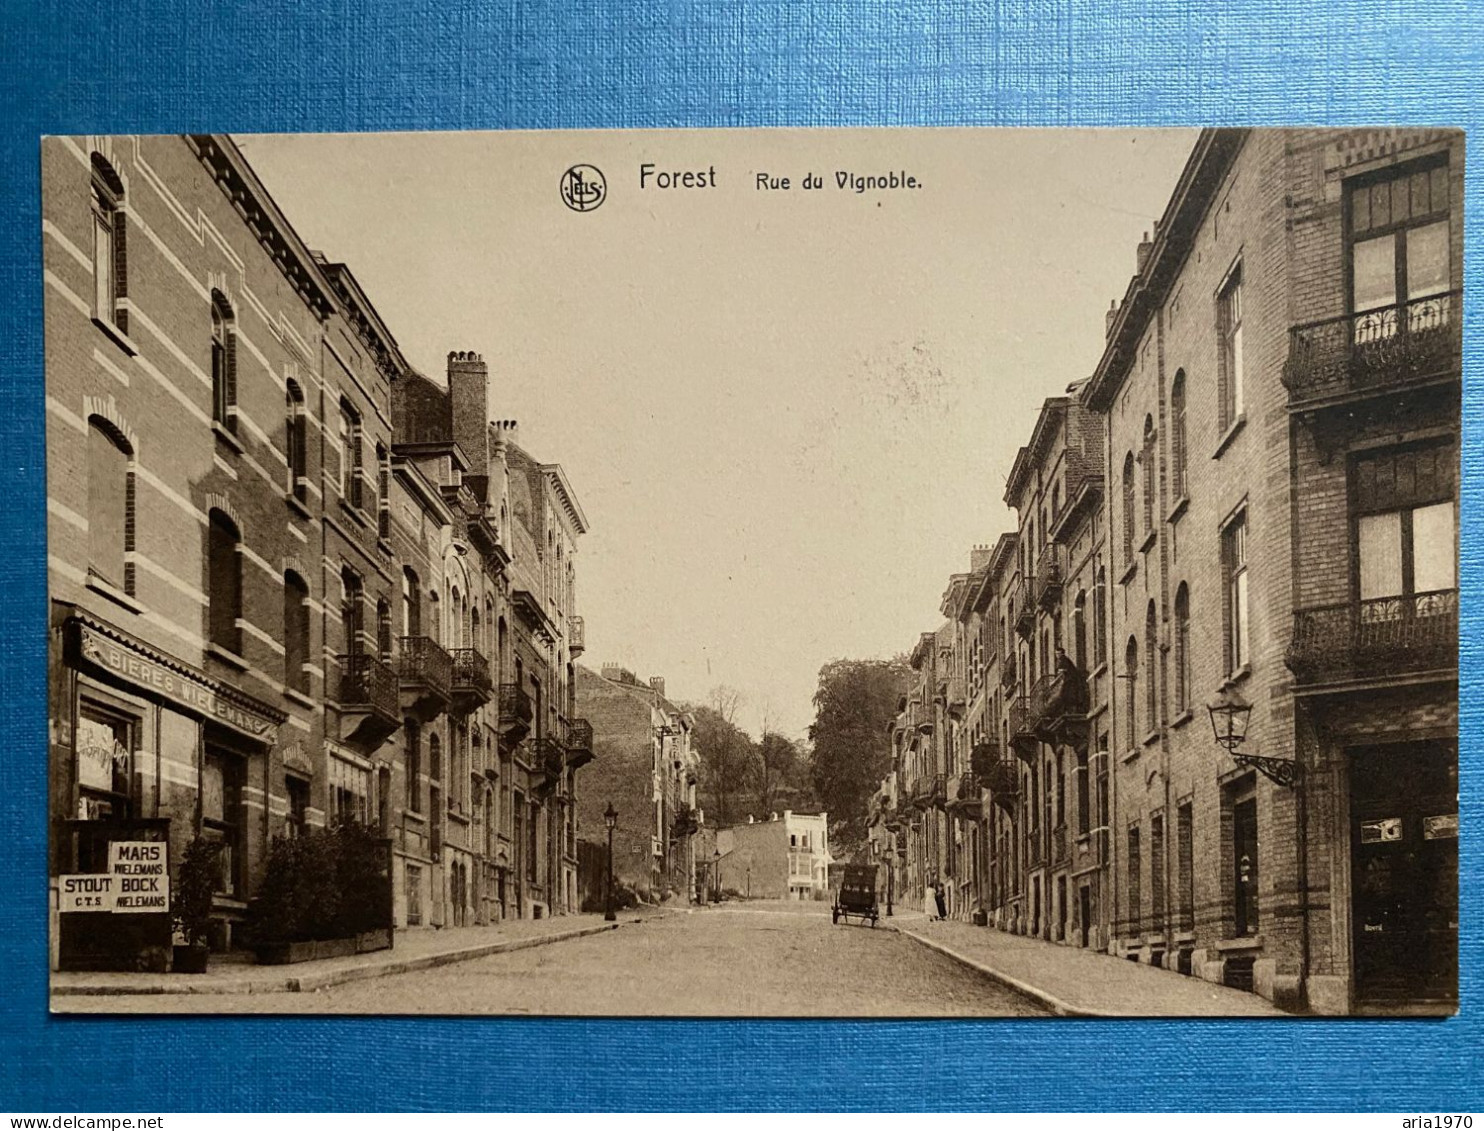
(715,874)
(610,818)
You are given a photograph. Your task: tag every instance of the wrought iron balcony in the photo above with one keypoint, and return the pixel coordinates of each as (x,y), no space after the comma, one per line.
(1002,779)
(579,743)
(471,679)
(1025,613)
(550,757)
(426,674)
(368,698)
(515,709)
(983,756)
(1022,730)
(1059,704)
(1369,640)
(576,636)
(963,795)
(1390,347)
(1050,577)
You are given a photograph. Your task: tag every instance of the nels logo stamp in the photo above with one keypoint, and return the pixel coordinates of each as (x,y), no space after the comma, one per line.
(583,188)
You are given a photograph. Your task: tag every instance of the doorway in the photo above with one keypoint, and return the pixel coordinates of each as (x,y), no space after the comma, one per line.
(1404,872)
(1084,913)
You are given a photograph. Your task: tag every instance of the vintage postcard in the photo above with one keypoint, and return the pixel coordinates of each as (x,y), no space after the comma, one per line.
(769,573)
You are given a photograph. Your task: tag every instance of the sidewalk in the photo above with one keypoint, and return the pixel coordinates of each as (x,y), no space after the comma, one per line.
(1080,983)
(416,949)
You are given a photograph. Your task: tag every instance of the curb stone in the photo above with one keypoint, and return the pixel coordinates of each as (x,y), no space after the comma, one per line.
(311,983)
(1024,989)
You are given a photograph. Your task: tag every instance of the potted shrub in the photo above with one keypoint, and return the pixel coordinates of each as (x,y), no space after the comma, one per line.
(195,885)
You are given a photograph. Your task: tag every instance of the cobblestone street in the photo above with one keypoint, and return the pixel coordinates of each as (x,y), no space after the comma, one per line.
(754,960)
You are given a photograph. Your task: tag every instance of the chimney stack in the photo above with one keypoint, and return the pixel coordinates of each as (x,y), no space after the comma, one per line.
(978,558)
(1145,247)
(612,672)
(657,685)
(468,392)
(1110,318)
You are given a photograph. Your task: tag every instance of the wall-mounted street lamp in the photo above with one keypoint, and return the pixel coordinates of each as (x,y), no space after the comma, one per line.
(1230,714)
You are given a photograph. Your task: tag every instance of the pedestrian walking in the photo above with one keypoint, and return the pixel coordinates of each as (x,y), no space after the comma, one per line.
(930,901)
(942,905)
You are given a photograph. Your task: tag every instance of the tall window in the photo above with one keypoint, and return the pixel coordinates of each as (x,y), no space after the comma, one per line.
(1131,697)
(110,242)
(351,615)
(224,566)
(1406,529)
(1084,807)
(1244,866)
(295,633)
(1100,618)
(1157,870)
(1079,631)
(221,814)
(1177,436)
(1135,896)
(1185,830)
(350,455)
(1182,648)
(1234,565)
(1128,507)
(414,767)
(1399,250)
(298,442)
(110,505)
(1229,331)
(412,613)
(383,628)
(383,492)
(1151,473)
(223,364)
(1151,661)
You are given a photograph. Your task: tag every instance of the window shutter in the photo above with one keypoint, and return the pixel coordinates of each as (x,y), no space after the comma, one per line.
(120,269)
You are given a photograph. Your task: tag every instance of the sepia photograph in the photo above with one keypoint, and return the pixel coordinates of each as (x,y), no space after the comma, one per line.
(835,573)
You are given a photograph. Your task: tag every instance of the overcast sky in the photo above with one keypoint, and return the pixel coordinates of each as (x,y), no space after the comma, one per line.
(788,415)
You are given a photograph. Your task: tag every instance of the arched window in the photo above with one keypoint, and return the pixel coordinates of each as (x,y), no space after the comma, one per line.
(1177,436)
(1130,675)
(476,628)
(1128,507)
(110,246)
(435,617)
(224,581)
(298,441)
(1151,652)
(295,633)
(502,657)
(110,505)
(350,455)
(412,611)
(1151,473)
(1182,648)
(223,363)
(455,611)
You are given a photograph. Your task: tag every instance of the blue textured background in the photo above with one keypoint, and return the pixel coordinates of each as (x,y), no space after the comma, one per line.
(163,66)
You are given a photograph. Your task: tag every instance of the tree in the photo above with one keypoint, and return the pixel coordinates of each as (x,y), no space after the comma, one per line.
(729,762)
(778,764)
(853,706)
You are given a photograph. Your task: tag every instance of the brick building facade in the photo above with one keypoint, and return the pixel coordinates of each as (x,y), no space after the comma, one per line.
(277,571)
(647,769)
(1251,501)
